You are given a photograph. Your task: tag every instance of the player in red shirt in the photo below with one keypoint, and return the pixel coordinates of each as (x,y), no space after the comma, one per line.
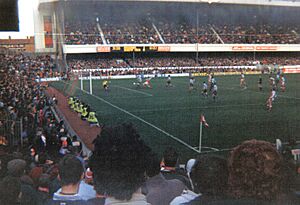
(147,83)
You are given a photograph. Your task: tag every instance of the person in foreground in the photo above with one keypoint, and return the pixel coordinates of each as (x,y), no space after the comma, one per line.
(119,163)
(255,177)
(209,176)
(70,174)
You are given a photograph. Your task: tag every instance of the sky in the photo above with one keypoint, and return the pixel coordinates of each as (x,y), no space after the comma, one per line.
(26,25)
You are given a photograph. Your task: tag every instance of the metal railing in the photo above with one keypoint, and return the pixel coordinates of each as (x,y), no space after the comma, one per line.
(11,130)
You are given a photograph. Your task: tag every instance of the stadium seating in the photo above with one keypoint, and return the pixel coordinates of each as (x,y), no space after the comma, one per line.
(176,61)
(178,33)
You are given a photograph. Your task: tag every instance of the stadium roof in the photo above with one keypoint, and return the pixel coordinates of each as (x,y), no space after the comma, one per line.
(293,3)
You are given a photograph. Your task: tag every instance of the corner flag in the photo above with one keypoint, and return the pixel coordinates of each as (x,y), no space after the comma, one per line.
(202,120)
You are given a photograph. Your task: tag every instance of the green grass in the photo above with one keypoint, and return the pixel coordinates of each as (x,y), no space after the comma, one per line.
(237,115)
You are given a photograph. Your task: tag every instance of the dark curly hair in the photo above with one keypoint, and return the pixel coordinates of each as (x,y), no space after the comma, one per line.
(255,171)
(10,188)
(119,161)
(170,157)
(210,175)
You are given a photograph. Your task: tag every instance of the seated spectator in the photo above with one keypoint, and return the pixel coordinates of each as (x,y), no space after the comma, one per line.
(86,190)
(170,170)
(42,165)
(119,163)
(10,190)
(70,174)
(54,100)
(16,168)
(157,189)
(77,144)
(209,176)
(43,190)
(256,174)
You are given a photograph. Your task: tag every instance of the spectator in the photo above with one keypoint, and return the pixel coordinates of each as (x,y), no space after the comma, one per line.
(157,189)
(16,168)
(42,165)
(70,174)
(119,163)
(170,168)
(77,145)
(209,176)
(10,190)
(43,188)
(255,173)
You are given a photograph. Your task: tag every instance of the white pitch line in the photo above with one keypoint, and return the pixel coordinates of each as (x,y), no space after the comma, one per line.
(201,107)
(237,89)
(142,120)
(219,150)
(144,93)
(212,148)
(197,107)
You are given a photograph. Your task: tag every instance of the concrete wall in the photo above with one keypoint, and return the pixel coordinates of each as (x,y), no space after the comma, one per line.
(38,14)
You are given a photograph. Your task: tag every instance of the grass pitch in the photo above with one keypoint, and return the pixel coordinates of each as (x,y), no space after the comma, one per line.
(170,116)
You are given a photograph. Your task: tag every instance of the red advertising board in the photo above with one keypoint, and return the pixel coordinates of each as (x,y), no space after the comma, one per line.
(103,49)
(266,48)
(291,70)
(163,48)
(243,48)
(254,48)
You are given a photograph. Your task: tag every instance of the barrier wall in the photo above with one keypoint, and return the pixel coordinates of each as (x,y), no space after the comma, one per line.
(164,68)
(291,69)
(69,49)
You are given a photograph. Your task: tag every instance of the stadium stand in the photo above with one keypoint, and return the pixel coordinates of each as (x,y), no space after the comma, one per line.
(180,33)
(44,161)
(81,33)
(129,33)
(42,136)
(177,61)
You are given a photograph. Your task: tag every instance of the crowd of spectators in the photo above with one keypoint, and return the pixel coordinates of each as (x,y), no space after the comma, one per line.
(82,33)
(41,66)
(49,168)
(77,64)
(162,62)
(257,34)
(28,170)
(182,32)
(178,64)
(140,33)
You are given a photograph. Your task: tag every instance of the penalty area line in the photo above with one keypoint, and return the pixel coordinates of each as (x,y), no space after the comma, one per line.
(142,120)
(136,91)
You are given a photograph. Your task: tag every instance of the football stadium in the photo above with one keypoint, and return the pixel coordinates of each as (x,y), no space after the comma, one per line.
(115,102)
